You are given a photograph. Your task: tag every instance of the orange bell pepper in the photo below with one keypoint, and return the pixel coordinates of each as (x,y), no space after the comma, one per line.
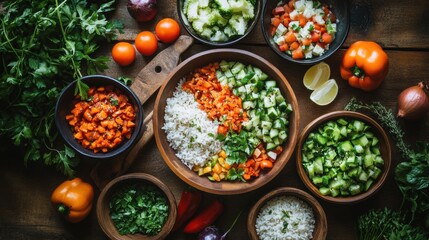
(364,65)
(73,199)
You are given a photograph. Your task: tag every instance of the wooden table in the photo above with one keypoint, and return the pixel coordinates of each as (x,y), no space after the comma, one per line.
(399,26)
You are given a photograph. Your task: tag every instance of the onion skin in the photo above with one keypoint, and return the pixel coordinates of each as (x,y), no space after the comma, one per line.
(413,102)
(142,10)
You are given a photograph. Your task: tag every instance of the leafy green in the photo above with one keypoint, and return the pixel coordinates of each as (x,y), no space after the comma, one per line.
(138,208)
(237,147)
(411,175)
(387,224)
(413,180)
(44,45)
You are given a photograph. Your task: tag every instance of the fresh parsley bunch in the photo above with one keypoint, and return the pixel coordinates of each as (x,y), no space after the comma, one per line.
(44,45)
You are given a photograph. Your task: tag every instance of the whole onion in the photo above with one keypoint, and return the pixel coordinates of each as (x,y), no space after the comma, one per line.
(413,102)
(142,10)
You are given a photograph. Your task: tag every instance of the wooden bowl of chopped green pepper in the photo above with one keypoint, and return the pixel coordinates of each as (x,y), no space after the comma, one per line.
(343,157)
(136,206)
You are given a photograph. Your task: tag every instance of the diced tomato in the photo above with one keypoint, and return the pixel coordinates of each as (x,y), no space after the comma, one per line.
(315,36)
(294,46)
(290,37)
(326,38)
(287,8)
(306,41)
(332,17)
(272,30)
(291,4)
(286,21)
(284,47)
(297,53)
(275,21)
(302,20)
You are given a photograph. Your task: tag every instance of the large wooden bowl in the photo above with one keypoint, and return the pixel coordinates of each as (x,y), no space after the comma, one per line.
(169,155)
(321,225)
(103,209)
(385,150)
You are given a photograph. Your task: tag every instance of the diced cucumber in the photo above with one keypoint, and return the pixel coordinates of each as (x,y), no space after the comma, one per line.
(270,84)
(344,150)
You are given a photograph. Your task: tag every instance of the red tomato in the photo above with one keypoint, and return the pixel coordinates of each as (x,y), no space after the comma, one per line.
(123,53)
(146,43)
(167,30)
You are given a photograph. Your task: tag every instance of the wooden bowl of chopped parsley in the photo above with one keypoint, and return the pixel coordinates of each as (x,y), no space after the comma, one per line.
(136,206)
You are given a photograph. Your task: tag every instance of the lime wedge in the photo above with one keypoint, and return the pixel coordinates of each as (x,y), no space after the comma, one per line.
(325,93)
(316,75)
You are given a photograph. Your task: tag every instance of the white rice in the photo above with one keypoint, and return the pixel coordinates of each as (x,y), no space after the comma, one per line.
(285,217)
(189,130)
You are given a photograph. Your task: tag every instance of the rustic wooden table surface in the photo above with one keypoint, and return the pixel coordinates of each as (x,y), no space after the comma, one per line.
(401,27)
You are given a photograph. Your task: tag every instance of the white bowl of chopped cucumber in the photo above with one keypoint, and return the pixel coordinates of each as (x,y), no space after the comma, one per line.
(219,22)
(343,157)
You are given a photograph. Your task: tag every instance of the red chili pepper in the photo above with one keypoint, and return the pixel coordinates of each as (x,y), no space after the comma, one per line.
(205,217)
(188,205)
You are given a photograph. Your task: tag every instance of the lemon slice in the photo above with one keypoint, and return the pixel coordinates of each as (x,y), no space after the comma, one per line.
(325,93)
(316,75)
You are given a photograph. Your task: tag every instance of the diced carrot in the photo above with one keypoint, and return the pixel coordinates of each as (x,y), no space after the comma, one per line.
(266,164)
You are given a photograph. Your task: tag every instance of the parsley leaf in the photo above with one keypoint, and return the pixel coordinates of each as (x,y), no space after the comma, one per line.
(44,45)
(138,208)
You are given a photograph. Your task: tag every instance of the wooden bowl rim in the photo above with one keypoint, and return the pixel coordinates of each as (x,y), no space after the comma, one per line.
(321,225)
(103,211)
(228,188)
(384,144)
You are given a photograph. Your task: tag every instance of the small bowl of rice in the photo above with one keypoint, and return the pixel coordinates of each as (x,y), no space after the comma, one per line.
(287,213)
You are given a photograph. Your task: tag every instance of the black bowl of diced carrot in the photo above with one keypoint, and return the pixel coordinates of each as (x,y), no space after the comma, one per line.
(105,123)
(305,32)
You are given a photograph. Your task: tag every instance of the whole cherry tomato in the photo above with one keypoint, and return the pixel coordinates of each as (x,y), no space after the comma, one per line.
(123,53)
(146,43)
(167,30)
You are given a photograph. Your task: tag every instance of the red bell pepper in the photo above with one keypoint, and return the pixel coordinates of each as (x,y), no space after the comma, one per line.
(188,205)
(206,217)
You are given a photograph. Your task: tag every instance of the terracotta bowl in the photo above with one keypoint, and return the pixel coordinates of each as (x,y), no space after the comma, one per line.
(195,35)
(168,154)
(321,224)
(103,210)
(64,106)
(341,10)
(385,150)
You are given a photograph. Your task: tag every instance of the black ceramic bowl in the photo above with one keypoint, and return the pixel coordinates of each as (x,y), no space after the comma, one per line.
(195,35)
(64,106)
(340,8)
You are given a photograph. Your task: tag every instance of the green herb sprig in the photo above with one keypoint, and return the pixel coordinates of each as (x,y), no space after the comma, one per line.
(387,224)
(411,175)
(37,63)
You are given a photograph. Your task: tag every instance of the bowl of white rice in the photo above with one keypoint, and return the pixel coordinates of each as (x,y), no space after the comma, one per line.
(287,213)
(189,142)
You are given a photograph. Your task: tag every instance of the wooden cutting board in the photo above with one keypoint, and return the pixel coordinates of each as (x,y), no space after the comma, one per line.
(146,83)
